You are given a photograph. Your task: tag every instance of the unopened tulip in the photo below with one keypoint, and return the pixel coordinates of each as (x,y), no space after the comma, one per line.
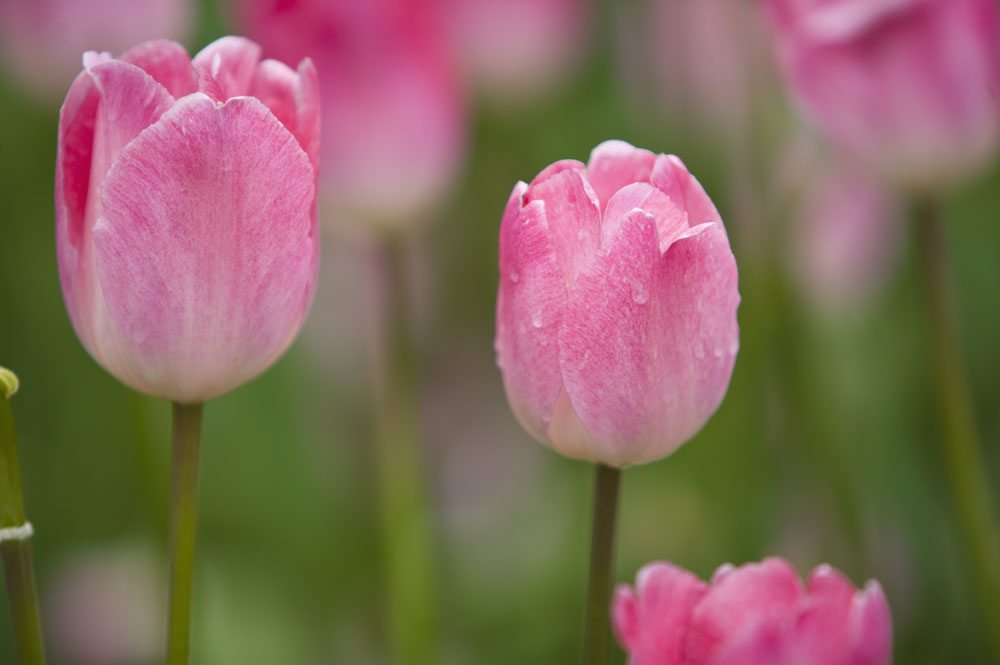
(616,312)
(908,87)
(186,222)
(41,40)
(757,614)
(393,111)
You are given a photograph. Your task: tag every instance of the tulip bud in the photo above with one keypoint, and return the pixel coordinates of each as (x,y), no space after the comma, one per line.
(909,87)
(616,311)
(186,223)
(757,614)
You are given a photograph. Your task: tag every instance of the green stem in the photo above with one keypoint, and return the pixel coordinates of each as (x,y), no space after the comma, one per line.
(17,563)
(405,523)
(183,528)
(960,438)
(597,630)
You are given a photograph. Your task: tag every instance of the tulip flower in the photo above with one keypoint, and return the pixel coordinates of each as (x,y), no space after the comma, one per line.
(616,311)
(41,40)
(757,614)
(393,110)
(186,223)
(187,235)
(514,51)
(908,87)
(616,323)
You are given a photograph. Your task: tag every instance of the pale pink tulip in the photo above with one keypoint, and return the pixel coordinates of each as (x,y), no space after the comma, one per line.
(908,87)
(516,50)
(757,614)
(186,223)
(616,311)
(393,110)
(41,40)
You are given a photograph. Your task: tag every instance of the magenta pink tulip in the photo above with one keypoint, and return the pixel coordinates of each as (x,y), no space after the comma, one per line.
(757,614)
(393,110)
(186,222)
(41,40)
(907,86)
(616,311)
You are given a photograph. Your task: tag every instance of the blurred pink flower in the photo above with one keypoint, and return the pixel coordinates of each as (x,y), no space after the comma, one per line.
(757,614)
(393,110)
(41,40)
(717,84)
(186,222)
(910,87)
(104,607)
(516,50)
(616,312)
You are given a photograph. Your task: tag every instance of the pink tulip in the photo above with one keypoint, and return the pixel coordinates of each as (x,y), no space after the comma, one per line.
(757,614)
(41,40)
(907,86)
(393,112)
(186,221)
(616,311)
(515,50)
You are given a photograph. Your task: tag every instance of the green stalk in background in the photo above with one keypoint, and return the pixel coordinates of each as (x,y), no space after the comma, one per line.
(183,528)
(14,533)
(597,629)
(405,523)
(960,439)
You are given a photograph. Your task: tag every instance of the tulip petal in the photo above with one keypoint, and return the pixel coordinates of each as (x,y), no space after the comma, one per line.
(204,287)
(652,622)
(167,62)
(226,67)
(671,176)
(531,299)
(614,164)
(649,340)
(293,98)
(870,627)
(573,216)
(74,156)
(750,596)
(671,220)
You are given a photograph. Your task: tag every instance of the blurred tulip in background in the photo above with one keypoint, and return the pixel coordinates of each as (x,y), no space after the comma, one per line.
(394,119)
(757,614)
(41,40)
(908,87)
(516,51)
(616,312)
(186,221)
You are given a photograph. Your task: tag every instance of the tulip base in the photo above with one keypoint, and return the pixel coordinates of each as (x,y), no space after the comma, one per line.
(183,528)
(597,630)
(959,435)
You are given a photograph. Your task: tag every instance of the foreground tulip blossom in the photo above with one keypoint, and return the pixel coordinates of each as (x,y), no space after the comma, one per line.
(616,312)
(393,109)
(186,223)
(757,614)
(907,86)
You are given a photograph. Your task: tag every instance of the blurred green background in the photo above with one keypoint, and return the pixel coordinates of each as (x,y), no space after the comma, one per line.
(824,449)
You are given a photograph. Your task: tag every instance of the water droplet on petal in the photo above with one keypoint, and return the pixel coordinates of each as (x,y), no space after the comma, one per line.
(536,319)
(514,276)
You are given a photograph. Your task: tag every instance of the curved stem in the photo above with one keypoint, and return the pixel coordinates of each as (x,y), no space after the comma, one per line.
(183,528)
(17,563)
(960,438)
(597,630)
